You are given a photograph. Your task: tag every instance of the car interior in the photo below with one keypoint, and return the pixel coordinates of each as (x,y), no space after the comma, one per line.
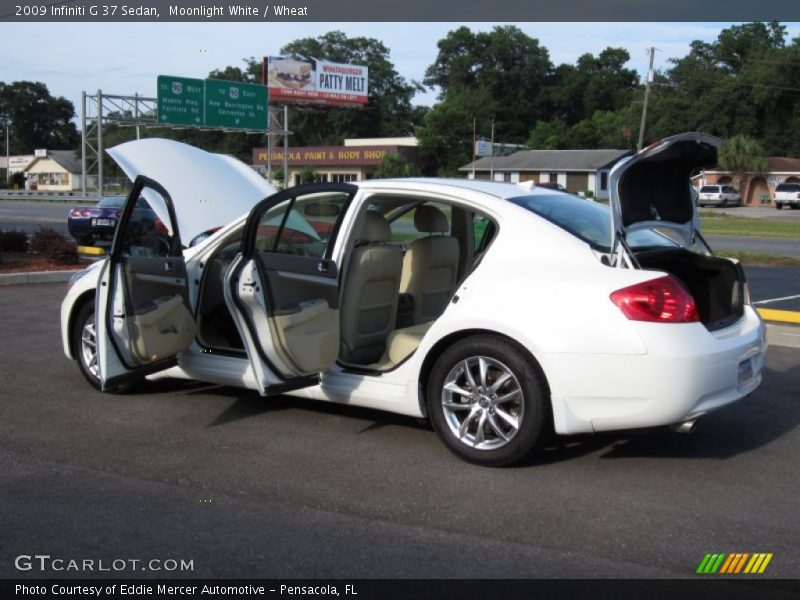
(402,267)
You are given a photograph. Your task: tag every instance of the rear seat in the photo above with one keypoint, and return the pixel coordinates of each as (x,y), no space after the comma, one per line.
(401,343)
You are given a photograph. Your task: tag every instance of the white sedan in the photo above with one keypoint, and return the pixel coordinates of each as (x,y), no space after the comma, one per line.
(500,312)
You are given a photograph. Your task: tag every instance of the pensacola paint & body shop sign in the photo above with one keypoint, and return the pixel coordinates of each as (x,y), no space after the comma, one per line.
(319,156)
(316,81)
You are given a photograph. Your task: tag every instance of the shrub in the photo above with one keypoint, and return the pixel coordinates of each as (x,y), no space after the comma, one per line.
(588,194)
(53,245)
(13,241)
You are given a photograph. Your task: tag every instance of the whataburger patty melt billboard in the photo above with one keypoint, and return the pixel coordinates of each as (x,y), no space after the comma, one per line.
(316,81)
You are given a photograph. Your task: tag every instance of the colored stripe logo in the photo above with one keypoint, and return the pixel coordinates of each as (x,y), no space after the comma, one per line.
(734,563)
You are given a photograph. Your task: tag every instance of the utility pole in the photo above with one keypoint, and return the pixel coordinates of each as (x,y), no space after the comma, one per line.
(652,52)
(491,166)
(8,153)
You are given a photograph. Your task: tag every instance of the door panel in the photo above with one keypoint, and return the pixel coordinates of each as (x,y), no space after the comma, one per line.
(143,312)
(283,289)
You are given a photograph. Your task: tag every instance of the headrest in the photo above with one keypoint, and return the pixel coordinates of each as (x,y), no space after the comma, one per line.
(373,228)
(429,219)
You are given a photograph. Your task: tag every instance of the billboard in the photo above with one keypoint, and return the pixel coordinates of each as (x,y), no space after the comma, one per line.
(296,81)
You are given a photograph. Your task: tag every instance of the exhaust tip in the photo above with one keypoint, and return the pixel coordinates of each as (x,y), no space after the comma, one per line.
(685,427)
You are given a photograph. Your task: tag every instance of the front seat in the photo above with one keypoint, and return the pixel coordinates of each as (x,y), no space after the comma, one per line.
(430,265)
(371,286)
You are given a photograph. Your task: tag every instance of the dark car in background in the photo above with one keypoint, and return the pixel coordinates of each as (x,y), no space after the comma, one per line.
(88,224)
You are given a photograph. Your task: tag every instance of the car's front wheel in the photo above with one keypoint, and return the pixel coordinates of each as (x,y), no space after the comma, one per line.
(84,344)
(487,401)
(778,205)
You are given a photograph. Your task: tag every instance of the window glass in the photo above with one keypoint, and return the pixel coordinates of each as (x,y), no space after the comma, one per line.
(148,231)
(404,230)
(302,226)
(604,180)
(709,189)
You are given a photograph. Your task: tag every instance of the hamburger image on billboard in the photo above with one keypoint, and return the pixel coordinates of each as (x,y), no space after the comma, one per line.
(289,72)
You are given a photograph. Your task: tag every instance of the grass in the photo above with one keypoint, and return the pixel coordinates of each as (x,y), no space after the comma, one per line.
(760,259)
(723,224)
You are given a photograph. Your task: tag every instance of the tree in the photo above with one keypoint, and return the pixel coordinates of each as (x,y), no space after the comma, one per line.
(307,175)
(38,120)
(741,154)
(395,164)
(505,66)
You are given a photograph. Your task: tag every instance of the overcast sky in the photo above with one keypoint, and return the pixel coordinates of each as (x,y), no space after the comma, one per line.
(125,58)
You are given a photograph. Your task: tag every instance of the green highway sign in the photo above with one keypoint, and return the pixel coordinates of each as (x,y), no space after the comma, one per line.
(235,105)
(211,103)
(180,100)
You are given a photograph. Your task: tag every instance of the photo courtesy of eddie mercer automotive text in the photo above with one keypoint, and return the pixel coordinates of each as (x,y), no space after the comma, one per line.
(479,324)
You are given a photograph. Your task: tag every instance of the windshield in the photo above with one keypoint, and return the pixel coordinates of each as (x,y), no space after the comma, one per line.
(709,189)
(585,219)
(788,187)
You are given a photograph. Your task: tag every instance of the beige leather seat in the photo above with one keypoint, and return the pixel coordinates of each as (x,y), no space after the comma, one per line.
(371,286)
(430,265)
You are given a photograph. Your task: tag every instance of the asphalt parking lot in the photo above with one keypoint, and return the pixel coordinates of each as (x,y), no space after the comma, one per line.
(251,487)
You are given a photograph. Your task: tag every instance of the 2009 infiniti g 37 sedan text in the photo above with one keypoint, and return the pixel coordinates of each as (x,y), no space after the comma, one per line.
(498,311)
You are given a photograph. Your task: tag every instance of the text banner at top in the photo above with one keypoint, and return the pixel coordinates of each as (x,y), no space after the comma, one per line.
(408,11)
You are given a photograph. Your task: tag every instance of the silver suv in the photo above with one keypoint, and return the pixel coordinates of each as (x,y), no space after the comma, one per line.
(718,195)
(787,194)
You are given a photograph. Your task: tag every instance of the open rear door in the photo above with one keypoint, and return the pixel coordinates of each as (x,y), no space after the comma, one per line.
(283,288)
(143,316)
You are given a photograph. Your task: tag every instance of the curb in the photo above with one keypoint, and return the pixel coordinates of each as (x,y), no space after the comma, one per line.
(780,316)
(37,277)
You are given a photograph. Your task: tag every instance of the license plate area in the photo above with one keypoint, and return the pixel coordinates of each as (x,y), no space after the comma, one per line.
(104,222)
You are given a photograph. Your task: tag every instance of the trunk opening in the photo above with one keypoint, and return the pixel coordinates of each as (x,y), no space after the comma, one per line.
(716,284)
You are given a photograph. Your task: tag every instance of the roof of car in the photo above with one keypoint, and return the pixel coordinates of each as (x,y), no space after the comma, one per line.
(492,188)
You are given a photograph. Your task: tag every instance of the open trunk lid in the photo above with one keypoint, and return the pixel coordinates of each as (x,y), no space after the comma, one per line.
(652,189)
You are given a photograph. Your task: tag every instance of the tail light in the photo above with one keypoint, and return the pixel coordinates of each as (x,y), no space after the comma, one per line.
(662,300)
(84,212)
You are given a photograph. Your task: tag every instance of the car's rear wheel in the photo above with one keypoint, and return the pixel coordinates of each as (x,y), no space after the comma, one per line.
(487,401)
(778,205)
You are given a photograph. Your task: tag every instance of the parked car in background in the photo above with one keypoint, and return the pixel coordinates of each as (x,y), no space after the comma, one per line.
(528,310)
(89,224)
(787,194)
(718,195)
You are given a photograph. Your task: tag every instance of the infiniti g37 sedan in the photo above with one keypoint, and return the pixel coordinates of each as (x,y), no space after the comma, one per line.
(499,312)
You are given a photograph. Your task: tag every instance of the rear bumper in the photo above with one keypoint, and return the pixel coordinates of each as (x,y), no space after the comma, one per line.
(686,372)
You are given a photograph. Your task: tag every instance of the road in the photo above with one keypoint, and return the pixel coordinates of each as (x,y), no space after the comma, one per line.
(253,487)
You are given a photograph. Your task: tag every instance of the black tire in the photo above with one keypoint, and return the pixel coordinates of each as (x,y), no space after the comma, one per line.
(83,319)
(532,410)
(86,316)
(778,205)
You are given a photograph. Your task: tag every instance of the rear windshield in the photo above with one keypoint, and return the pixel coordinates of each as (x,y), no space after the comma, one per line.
(709,189)
(586,220)
(788,187)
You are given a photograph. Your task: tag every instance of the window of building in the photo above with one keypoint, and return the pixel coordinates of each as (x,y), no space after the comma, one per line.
(507,177)
(343,177)
(603,180)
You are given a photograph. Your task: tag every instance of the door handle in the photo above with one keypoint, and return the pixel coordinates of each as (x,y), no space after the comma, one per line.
(322,266)
(168,267)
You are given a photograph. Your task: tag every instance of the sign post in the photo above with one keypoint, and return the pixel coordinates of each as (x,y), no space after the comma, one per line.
(235,105)
(180,100)
(211,103)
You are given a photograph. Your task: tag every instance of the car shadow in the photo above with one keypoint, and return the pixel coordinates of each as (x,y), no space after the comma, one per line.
(765,416)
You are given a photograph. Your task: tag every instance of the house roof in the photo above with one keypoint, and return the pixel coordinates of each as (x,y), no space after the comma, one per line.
(782,164)
(65,158)
(550,160)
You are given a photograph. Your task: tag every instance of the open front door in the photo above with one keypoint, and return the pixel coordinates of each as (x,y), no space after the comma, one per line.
(142,313)
(283,288)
